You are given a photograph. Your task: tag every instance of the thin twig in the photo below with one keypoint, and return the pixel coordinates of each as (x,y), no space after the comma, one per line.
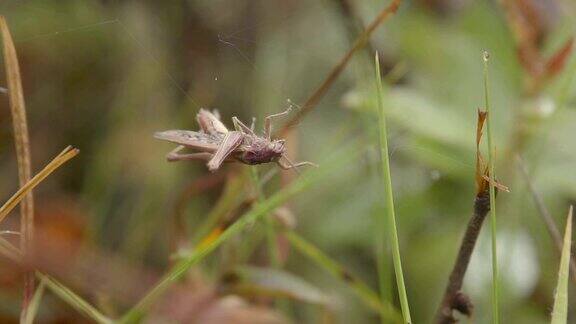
(393,71)
(360,42)
(545,214)
(22,143)
(453,298)
(354,25)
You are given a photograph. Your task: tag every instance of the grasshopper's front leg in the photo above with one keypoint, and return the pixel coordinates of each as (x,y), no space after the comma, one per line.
(241,127)
(268,121)
(174,156)
(290,165)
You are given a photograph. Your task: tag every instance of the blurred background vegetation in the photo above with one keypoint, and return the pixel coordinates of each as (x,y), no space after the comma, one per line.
(104,75)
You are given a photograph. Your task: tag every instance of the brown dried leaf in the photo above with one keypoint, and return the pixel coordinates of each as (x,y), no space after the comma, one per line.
(480,126)
(530,22)
(496,183)
(481,170)
(531,60)
(556,63)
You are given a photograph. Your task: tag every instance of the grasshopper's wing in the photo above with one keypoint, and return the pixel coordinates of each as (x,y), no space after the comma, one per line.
(231,142)
(201,141)
(210,122)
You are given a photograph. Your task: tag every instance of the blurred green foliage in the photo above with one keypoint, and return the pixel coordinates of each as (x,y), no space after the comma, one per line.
(104,75)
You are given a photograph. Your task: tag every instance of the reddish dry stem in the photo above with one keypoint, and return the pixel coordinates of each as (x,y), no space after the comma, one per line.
(556,63)
(360,42)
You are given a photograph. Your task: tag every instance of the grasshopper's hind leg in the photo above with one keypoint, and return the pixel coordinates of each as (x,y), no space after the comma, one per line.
(174,155)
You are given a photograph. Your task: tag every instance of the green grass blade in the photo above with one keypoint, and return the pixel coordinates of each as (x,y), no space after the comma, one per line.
(560,310)
(254,282)
(495,311)
(231,198)
(385,271)
(363,291)
(303,182)
(271,236)
(35,303)
(389,201)
(73,300)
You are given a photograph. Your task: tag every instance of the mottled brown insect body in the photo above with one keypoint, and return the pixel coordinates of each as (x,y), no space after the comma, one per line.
(262,151)
(217,144)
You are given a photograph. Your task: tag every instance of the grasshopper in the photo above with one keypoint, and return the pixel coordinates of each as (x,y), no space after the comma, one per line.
(217,144)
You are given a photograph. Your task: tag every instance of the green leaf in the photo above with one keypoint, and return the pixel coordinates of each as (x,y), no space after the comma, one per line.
(73,300)
(560,310)
(275,282)
(387,222)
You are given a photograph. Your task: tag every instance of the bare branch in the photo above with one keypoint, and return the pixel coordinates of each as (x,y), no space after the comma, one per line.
(454,298)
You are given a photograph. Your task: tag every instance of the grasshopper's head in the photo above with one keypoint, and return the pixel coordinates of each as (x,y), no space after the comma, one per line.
(277,148)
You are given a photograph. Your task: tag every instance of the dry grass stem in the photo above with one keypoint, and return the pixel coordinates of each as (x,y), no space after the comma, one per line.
(62,158)
(22,142)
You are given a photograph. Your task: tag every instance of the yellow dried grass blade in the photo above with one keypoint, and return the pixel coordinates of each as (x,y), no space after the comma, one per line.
(22,143)
(64,156)
(18,110)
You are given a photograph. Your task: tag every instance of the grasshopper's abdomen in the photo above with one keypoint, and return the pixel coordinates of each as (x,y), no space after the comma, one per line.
(259,156)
